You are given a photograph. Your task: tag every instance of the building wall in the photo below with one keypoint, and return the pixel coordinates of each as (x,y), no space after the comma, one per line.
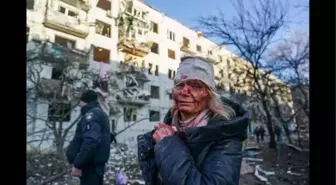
(165,63)
(35,19)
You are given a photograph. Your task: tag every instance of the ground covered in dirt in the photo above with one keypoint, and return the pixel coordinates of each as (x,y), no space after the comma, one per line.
(291,169)
(44,166)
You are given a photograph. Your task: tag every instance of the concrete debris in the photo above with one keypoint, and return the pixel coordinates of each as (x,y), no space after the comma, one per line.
(260,177)
(41,166)
(122,159)
(293,173)
(258,171)
(267,173)
(245,168)
(293,147)
(137,182)
(131,81)
(253,159)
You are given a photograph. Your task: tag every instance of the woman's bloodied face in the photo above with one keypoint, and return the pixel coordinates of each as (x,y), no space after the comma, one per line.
(190,96)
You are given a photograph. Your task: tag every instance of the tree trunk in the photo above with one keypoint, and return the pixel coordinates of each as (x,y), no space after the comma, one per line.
(285,126)
(272,143)
(298,137)
(59,142)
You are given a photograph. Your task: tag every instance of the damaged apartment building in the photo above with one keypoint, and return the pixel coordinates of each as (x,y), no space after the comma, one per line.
(124,49)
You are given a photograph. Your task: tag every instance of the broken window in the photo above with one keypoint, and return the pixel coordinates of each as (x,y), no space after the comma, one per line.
(154,115)
(27,33)
(130,81)
(154,27)
(56,73)
(61,9)
(186,42)
(72,13)
(171,54)
(103,85)
(130,114)
(155,92)
(30,4)
(65,42)
(137,13)
(150,68)
(156,70)
(171,74)
(101,55)
(209,52)
(67,11)
(220,58)
(103,29)
(170,35)
(104,4)
(199,48)
(129,8)
(155,48)
(59,112)
(221,73)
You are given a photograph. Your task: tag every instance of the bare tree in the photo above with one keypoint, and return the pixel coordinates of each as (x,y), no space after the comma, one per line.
(59,93)
(252,33)
(293,54)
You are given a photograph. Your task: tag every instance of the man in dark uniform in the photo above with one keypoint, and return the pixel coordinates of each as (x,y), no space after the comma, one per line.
(89,150)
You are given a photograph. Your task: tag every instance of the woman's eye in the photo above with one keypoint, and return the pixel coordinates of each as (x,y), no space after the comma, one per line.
(179,86)
(195,86)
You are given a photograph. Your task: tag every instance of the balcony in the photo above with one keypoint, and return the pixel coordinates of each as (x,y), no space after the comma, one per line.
(212,58)
(48,51)
(187,49)
(50,87)
(132,101)
(81,4)
(134,96)
(133,30)
(238,70)
(129,46)
(67,24)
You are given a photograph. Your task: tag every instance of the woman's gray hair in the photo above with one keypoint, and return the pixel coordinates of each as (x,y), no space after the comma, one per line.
(216,106)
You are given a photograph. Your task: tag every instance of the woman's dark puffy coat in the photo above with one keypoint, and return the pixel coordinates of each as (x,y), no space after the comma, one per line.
(209,155)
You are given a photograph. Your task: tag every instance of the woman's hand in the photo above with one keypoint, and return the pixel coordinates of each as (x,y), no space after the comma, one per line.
(162,130)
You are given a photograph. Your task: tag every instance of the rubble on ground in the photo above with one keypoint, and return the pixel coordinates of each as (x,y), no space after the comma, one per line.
(44,165)
(291,169)
(123,160)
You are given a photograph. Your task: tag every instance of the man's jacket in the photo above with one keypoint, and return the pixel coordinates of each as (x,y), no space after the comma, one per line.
(91,143)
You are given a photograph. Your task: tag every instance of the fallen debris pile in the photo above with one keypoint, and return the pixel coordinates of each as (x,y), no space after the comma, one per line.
(125,161)
(46,166)
(262,174)
(260,166)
